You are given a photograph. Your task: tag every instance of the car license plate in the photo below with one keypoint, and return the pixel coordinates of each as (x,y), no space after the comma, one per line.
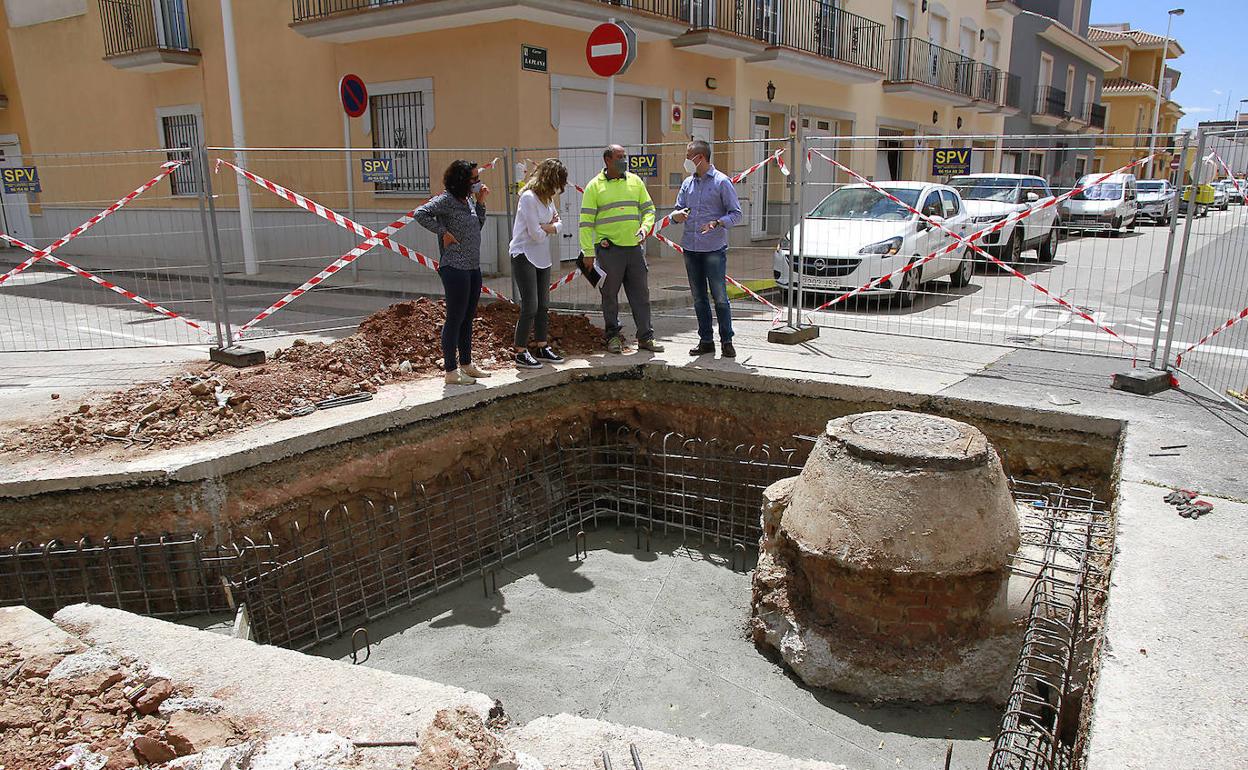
(811,282)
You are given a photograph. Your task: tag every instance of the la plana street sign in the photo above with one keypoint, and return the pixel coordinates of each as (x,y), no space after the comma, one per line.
(611,48)
(354,95)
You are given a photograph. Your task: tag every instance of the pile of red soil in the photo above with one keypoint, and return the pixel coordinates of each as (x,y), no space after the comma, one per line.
(401,342)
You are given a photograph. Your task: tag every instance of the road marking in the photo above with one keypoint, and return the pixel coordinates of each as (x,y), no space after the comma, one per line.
(136,337)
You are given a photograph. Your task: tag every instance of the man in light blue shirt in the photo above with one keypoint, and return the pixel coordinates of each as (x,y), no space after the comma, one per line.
(707,204)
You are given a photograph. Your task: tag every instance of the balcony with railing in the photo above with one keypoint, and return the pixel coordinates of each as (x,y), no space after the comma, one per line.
(812,36)
(1050,108)
(995,90)
(147,35)
(1094,117)
(922,68)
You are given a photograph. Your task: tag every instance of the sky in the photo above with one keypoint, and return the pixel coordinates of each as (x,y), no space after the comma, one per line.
(1211,32)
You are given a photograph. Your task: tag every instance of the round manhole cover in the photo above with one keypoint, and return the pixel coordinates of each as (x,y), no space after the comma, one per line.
(905,428)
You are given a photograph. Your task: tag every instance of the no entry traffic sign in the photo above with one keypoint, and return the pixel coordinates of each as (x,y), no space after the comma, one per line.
(611,48)
(354,95)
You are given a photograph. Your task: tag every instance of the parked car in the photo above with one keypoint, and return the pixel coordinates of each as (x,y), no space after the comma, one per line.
(1221,198)
(856,235)
(1235,190)
(1205,197)
(1156,200)
(992,197)
(1109,206)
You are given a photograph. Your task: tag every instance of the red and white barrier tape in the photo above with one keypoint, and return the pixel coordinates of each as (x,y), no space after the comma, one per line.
(777,156)
(165,170)
(489,165)
(106,284)
(344,222)
(1178,361)
(1230,174)
(333,267)
(960,241)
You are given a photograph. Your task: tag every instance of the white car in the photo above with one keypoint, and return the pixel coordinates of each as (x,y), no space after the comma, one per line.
(1109,206)
(992,197)
(856,235)
(1156,200)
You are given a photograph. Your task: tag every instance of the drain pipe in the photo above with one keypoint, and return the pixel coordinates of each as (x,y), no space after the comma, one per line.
(250,264)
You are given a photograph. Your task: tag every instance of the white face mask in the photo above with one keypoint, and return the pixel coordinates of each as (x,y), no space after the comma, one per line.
(690,167)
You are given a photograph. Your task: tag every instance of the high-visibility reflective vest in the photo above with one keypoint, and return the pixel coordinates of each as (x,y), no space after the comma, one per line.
(615,209)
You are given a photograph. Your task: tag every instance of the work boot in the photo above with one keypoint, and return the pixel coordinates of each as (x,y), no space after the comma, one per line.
(728,350)
(615,344)
(650,345)
(702,349)
(472,370)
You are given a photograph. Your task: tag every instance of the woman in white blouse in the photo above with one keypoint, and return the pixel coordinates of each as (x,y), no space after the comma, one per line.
(536,220)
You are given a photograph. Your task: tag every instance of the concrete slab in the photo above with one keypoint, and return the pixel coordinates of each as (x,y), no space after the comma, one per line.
(566,742)
(656,640)
(1173,680)
(280,689)
(33,634)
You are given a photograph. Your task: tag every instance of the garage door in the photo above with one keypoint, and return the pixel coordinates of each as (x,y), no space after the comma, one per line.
(583,124)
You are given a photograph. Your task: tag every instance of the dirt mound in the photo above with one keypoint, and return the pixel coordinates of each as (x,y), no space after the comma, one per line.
(401,342)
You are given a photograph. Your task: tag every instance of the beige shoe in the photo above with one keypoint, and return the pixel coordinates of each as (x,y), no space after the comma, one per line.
(459,378)
(472,371)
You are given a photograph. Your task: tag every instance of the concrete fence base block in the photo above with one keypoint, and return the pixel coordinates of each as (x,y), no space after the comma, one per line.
(1142,382)
(787,335)
(237,356)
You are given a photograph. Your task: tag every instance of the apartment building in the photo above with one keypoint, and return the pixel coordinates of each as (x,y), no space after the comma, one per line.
(1130,96)
(94,75)
(1062,73)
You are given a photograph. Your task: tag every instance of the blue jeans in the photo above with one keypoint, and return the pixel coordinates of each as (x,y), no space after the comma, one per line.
(706,270)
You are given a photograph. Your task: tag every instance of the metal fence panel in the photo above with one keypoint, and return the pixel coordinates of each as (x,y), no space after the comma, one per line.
(154,247)
(766,203)
(1207,340)
(1097,276)
(293,244)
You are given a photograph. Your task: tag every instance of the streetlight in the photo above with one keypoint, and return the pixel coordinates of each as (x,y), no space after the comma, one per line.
(1165,51)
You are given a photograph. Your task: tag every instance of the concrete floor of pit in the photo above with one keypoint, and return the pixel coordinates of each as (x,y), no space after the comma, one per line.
(653,639)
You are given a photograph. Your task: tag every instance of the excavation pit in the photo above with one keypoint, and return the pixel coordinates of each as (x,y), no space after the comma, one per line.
(406,533)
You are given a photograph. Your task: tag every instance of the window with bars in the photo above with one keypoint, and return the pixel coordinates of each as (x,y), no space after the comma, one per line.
(398,121)
(182,131)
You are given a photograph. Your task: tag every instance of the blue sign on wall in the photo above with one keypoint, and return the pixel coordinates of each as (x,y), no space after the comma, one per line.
(377,170)
(20,180)
(644,165)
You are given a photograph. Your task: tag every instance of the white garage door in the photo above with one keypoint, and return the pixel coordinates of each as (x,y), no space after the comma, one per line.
(583,124)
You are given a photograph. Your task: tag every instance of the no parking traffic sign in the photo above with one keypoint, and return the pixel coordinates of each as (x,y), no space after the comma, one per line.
(354,95)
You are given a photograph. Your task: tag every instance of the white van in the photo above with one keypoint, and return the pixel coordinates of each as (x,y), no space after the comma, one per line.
(1110,206)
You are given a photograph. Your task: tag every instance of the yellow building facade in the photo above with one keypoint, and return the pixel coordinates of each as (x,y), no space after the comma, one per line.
(1130,97)
(109,75)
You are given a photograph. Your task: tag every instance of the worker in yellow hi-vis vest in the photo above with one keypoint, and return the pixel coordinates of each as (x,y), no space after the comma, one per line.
(616,216)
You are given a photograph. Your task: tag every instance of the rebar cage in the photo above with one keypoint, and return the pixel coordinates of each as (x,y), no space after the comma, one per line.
(333,571)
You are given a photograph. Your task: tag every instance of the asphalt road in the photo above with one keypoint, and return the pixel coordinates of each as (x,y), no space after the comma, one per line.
(1115,280)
